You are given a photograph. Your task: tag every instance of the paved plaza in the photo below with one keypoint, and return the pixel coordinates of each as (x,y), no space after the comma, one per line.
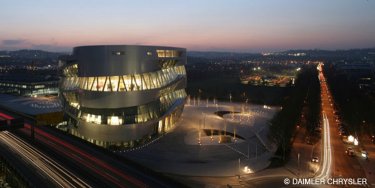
(31,105)
(208,143)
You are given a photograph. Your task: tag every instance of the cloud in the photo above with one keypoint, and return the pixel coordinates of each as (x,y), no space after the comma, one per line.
(13,42)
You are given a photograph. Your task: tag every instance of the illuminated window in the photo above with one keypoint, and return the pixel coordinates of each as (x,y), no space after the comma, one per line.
(121,85)
(100,83)
(133,82)
(107,84)
(74,104)
(97,119)
(167,53)
(128,83)
(37,86)
(71,70)
(114,82)
(118,53)
(138,82)
(114,120)
(82,82)
(149,53)
(160,126)
(90,83)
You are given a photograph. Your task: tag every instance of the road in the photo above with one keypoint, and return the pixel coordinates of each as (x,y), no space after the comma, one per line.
(101,169)
(342,165)
(55,175)
(326,168)
(334,161)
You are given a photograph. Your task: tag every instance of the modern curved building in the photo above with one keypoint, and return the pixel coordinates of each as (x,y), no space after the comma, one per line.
(122,96)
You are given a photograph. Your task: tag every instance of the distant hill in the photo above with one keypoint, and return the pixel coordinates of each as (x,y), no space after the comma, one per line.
(40,54)
(30,54)
(364,51)
(220,54)
(315,53)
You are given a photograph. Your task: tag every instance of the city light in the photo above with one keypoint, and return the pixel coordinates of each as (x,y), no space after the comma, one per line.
(351,138)
(245,97)
(364,154)
(266,107)
(247,170)
(356,142)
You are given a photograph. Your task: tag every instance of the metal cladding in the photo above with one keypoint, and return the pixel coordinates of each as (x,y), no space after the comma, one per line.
(121,96)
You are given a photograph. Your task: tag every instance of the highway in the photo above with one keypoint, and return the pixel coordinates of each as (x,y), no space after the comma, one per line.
(341,165)
(100,169)
(335,163)
(93,165)
(325,169)
(57,176)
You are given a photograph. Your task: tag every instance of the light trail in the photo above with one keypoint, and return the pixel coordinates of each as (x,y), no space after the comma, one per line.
(55,172)
(84,158)
(99,167)
(327,148)
(5,116)
(91,162)
(327,152)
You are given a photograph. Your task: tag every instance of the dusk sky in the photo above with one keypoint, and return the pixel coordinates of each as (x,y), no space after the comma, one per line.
(203,25)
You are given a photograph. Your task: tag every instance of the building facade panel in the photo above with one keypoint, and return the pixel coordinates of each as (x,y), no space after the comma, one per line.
(120,60)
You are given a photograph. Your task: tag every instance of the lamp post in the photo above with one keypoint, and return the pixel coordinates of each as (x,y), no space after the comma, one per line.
(204,120)
(248,150)
(239,165)
(312,150)
(298,156)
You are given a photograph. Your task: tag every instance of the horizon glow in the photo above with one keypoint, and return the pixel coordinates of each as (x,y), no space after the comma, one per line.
(209,25)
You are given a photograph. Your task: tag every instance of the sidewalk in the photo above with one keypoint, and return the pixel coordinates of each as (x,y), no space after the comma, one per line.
(368,165)
(300,158)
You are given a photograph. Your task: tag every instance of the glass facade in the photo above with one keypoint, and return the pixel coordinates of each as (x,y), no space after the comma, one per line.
(153,115)
(29,88)
(164,125)
(168,53)
(132,115)
(123,83)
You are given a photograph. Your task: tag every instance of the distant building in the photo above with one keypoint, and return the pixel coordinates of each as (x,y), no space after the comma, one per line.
(122,96)
(28,85)
(361,73)
(356,69)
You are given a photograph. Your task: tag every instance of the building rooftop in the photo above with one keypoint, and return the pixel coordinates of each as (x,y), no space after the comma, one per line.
(28,78)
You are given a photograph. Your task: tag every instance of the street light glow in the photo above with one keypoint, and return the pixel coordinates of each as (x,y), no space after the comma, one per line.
(356,142)
(350,138)
(247,170)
